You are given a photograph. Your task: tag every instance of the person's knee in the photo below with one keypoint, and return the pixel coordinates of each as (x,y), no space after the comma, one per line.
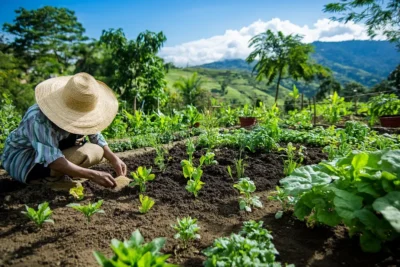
(94,153)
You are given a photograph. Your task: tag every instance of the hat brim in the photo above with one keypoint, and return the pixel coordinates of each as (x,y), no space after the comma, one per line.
(50,101)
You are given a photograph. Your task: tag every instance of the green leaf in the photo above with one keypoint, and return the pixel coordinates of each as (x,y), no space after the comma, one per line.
(304,178)
(389,206)
(346,204)
(370,243)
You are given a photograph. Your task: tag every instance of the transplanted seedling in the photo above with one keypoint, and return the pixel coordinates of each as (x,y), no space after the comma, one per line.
(285,200)
(89,209)
(246,187)
(141,176)
(146,203)
(187,230)
(208,159)
(42,215)
(77,191)
(194,184)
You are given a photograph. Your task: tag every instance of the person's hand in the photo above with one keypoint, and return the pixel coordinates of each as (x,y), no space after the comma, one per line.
(104,179)
(119,166)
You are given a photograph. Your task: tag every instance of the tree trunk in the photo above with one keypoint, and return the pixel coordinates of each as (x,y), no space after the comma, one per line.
(134,105)
(277,85)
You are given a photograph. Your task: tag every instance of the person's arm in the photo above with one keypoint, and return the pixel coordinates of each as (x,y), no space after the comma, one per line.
(64,166)
(119,166)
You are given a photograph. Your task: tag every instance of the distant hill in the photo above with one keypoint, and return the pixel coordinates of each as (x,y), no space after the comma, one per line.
(366,62)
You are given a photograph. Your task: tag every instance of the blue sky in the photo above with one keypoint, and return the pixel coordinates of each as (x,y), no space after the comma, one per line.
(181,21)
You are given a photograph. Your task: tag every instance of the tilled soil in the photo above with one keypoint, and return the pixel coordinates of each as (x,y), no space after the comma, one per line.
(70,241)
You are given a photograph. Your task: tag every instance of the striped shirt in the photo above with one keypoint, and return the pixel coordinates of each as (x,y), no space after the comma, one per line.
(36,140)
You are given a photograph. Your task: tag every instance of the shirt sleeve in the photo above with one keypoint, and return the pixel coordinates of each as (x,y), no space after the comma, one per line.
(44,140)
(98,139)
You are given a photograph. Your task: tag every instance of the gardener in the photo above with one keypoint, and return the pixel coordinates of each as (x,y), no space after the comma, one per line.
(49,144)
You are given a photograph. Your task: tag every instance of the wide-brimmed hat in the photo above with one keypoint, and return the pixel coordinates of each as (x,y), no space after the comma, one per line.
(77,104)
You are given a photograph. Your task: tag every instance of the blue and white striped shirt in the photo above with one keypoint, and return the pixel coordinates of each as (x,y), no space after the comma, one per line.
(35,140)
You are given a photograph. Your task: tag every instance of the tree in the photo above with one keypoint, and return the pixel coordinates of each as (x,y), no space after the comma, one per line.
(45,39)
(281,56)
(378,15)
(327,87)
(394,79)
(190,88)
(131,60)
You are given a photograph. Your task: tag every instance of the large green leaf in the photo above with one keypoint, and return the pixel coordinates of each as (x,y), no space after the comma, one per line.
(304,178)
(346,204)
(390,162)
(389,206)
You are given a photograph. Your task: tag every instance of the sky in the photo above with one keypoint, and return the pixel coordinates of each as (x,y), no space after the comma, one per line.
(203,31)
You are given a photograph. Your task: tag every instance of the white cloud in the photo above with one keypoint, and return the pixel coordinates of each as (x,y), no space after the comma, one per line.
(234,43)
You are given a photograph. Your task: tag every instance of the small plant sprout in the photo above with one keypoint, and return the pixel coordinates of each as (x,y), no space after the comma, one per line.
(187,230)
(77,191)
(141,176)
(208,159)
(246,187)
(190,149)
(89,209)
(285,200)
(291,164)
(146,203)
(194,174)
(42,215)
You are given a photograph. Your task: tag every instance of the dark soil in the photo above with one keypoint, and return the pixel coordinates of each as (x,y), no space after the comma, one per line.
(70,241)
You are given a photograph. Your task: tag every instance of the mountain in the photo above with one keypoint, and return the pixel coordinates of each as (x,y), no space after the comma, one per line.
(365,62)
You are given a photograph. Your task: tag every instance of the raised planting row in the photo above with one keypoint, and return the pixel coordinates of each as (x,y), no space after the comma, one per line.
(233,182)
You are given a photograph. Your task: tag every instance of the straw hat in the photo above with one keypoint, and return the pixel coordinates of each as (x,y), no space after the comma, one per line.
(77,104)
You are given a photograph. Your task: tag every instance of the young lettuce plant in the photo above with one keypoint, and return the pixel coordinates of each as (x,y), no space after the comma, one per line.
(88,210)
(135,253)
(246,187)
(187,230)
(146,203)
(208,159)
(77,192)
(141,176)
(42,215)
(285,200)
(194,174)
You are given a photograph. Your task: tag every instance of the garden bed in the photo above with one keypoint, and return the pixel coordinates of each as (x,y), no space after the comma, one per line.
(70,242)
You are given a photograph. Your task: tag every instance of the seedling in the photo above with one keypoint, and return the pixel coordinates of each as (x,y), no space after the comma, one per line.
(246,187)
(42,215)
(77,191)
(187,230)
(141,176)
(194,174)
(190,149)
(239,165)
(134,252)
(285,200)
(146,203)
(291,164)
(89,209)
(208,159)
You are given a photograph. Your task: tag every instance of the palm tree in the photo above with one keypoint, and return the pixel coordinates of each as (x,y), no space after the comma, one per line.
(280,56)
(190,88)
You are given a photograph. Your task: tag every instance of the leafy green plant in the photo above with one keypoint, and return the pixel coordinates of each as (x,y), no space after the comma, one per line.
(141,177)
(42,215)
(187,230)
(358,190)
(252,247)
(77,192)
(383,105)
(159,160)
(194,184)
(135,253)
(336,108)
(290,164)
(88,210)
(246,187)
(286,201)
(9,119)
(146,203)
(208,159)
(248,111)
(190,149)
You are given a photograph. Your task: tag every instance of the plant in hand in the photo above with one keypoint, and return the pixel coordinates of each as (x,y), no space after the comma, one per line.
(187,230)
(246,187)
(42,215)
(146,203)
(141,176)
(135,253)
(88,210)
